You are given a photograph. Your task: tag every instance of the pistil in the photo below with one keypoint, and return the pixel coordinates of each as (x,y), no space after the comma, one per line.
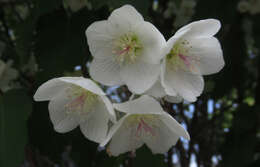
(80,99)
(76,104)
(127,48)
(180,57)
(143,125)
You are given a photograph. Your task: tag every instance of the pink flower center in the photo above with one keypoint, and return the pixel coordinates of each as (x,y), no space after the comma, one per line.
(185,60)
(127,48)
(124,51)
(144,126)
(77,103)
(180,56)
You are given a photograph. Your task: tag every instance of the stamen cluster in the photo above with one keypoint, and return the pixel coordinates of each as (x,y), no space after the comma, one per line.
(127,48)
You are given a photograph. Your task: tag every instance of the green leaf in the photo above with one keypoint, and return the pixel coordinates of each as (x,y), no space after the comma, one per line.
(24,39)
(46,6)
(144,157)
(15,107)
(61,43)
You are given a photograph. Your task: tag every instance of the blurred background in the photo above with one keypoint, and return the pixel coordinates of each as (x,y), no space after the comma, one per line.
(42,39)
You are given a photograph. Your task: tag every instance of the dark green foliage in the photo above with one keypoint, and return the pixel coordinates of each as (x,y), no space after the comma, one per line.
(15,108)
(56,37)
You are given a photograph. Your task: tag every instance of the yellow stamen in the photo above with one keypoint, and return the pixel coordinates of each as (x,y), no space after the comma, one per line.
(127,48)
(180,57)
(80,100)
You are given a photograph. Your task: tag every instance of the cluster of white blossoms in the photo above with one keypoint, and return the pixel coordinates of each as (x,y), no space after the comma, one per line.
(130,51)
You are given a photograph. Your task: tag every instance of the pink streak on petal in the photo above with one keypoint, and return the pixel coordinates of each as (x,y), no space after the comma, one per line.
(124,50)
(185,60)
(77,102)
(143,125)
(147,128)
(139,128)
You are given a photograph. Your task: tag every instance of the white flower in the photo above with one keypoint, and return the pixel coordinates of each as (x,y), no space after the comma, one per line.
(192,52)
(144,122)
(126,50)
(158,91)
(77,101)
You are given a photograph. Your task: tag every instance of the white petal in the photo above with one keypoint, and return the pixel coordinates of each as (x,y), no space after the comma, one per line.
(96,126)
(143,105)
(100,37)
(152,42)
(167,88)
(84,83)
(177,36)
(201,28)
(110,108)
(162,140)
(113,130)
(174,126)
(187,85)
(208,53)
(105,71)
(124,139)
(173,99)
(124,18)
(49,89)
(156,90)
(139,76)
(62,121)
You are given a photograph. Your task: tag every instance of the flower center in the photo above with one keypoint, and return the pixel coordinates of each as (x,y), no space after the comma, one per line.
(180,58)
(80,100)
(127,48)
(145,124)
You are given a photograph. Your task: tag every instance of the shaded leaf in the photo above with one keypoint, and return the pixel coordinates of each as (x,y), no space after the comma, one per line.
(15,107)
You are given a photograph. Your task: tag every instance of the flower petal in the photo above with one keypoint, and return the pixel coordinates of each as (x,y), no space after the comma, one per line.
(49,89)
(174,126)
(109,108)
(100,37)
(208,53)
(143,105)
(105,71)
(96,125)
(168,89)
(162,140)
(173,99)
(84,83)
(139,76)
(156,90)
(113,130)
(124,139)
(175,38)
(124,18)
(187,85)
(201,28)
(62,121)
(152,40)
